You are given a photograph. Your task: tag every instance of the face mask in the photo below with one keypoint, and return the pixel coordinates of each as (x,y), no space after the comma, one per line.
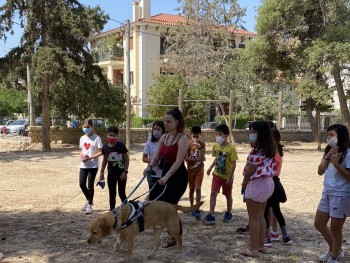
(157,134)
(112,140)
(86,130)
(253,137)
(219,140)
(332,142)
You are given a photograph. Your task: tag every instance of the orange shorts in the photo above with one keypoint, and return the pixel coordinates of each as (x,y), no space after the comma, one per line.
(195,177)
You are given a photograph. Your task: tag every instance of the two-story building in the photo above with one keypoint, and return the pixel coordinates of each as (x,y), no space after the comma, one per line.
(147,44)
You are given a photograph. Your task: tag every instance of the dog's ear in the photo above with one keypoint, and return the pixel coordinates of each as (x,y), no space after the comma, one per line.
(106,226)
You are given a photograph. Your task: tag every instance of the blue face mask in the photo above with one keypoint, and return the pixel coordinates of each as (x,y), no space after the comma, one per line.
(86,130)
(253,137)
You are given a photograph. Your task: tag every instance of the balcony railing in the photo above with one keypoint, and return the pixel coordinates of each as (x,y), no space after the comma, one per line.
(116,55)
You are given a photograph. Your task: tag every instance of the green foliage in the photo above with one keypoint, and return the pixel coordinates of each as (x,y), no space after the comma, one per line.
(165,91)
(139,122)
(12,101)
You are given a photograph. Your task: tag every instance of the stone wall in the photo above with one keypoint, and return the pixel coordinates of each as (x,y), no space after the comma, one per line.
(72,135)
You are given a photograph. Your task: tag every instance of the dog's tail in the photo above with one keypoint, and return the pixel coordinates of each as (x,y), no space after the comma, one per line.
(189,209)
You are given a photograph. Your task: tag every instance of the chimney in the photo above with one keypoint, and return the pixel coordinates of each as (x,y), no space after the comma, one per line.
(135,11)
(145,7)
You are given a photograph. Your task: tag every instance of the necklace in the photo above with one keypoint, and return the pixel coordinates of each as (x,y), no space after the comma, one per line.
(171,143)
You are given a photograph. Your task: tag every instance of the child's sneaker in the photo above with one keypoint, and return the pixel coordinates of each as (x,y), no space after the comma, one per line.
(228,217)
(326,256)
(83,208)
(287,241)
(88,210)
(196,214)
(267,242)
(243,230)
(210,219)
(274,237)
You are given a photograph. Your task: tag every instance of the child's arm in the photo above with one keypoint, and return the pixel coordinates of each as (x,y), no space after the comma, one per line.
(249,171)
(343,171)
(211,167)
(103,167)
(231,176)
(124,175)
(325,160)
(145,158)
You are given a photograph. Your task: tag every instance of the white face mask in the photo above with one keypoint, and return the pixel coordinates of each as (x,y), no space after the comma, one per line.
(332,141)
(253,137)
(219,140)
(157,134)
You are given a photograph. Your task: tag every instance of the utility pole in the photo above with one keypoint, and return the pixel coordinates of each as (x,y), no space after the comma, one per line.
(127,84)
(280,107)
(230,115)
(29,80)
(181,100)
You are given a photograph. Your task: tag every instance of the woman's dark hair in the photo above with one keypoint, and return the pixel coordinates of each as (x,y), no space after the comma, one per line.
(161,125)
(222,128)
(113,129)
(177,115)
(265,141)
(276,135)
(343,139)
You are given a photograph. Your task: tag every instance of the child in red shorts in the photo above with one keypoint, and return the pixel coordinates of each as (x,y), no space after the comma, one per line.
(225,164)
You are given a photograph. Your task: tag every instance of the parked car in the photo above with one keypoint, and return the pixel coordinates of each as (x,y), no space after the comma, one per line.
(5,124)
(247,124)
(99,123)
(18,127)
(209,125)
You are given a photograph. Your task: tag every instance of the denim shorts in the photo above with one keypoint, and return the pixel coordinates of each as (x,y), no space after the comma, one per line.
(335,206)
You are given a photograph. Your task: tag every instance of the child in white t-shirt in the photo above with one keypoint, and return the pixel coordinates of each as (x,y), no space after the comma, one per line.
(90,149)
(150,151)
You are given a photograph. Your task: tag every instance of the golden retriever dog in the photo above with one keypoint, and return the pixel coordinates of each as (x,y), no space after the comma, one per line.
(156,214)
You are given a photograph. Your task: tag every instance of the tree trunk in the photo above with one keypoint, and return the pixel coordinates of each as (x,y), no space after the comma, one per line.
(309,107)
(341,95)
(45,129)
(318,125)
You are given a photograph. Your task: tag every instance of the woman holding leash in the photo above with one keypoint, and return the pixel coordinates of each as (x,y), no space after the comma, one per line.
(170,157)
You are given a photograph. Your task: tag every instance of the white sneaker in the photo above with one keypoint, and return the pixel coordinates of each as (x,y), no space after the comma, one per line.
(88,210)
(83,208)
(328,256)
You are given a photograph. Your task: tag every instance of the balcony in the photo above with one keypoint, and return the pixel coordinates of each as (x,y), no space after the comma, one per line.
(117,55)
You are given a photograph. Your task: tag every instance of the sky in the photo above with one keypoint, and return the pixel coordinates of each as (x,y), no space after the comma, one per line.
(121,10)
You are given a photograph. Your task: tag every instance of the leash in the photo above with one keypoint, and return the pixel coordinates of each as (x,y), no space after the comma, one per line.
(150,191)
(133,191)
(137,186)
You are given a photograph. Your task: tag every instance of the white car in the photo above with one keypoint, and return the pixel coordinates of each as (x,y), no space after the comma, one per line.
(5,124)
(18,127)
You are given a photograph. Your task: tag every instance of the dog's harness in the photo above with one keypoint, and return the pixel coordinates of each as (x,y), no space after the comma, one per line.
(135,215)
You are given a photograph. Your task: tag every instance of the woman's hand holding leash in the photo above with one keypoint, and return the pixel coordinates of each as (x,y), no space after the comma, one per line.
(163,180)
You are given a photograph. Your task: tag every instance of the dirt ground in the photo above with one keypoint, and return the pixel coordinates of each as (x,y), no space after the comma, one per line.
(41,221)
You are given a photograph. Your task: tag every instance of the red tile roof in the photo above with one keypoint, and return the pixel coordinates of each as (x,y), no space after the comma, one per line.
(173,20)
